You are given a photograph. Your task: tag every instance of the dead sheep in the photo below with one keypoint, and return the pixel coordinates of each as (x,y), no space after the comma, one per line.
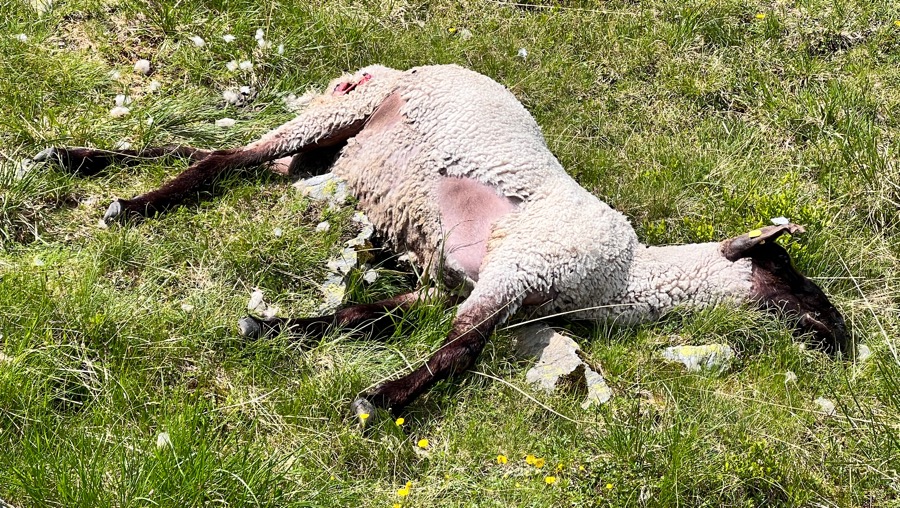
(451,168)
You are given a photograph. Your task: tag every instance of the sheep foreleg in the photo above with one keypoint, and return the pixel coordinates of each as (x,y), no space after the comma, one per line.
(90,161)
(471,329)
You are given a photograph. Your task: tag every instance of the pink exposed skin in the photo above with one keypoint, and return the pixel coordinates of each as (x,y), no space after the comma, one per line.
(469,210)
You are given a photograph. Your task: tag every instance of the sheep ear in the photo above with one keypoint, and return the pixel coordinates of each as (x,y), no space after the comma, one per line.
(739,247)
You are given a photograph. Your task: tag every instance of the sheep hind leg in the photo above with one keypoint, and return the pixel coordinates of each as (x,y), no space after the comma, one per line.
(376,317)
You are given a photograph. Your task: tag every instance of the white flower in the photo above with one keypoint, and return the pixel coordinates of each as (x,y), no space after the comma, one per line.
(142,66)
(198,41)
(163,440)
(523,53)
(154,85)
(245,65)
(119,111)
(22,37)
(228,38)
(232,65)
(225,122)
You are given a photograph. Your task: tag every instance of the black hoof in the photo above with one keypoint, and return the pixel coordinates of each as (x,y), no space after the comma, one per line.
(249,328)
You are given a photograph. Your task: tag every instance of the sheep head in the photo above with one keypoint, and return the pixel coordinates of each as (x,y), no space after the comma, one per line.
(778,286)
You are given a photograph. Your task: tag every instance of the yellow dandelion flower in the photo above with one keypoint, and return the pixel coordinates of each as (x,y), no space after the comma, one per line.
(364,416)
(397,505)
(423,443)
(550,480)
(609,486)
(452,29)
(501,459)
(518,485)
(403,492)
(897,23)
(539,463)
(559,467)
(581,468)
(400,421)
(760,15)
(529,459)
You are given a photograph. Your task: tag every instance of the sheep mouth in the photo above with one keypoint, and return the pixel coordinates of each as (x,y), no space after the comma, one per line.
(348,86)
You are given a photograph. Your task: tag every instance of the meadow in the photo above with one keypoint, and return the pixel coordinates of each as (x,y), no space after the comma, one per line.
(124,382)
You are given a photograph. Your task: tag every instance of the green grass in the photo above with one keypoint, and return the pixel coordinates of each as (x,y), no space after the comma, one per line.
(699,120)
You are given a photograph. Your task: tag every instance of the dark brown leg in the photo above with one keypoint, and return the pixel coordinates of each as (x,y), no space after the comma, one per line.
(376,315)
(90,161)
(471,329)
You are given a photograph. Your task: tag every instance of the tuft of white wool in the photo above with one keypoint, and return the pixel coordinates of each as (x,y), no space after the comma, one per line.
(197,40)
(228,38)
(142,66)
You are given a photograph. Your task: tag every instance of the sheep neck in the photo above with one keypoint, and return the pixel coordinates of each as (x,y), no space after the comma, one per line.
(693,275)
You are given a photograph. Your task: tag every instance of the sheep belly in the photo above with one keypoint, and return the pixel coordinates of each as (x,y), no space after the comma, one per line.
(468,210)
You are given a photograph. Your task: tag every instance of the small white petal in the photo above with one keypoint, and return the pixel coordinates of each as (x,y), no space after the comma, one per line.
(163,440)
(280,49)
(149,120)
(232,65)
(323,226)
(259,34)
(142,66)
(225,122)
(228,38)
(780,221)
(119,111)
(155,85)
(198,41)
(277,232)
(523,53)
(245,65)
(262,43)
(22,37)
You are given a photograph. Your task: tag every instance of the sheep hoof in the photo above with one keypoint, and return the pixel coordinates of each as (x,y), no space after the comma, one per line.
(113,212)
(362,409)
(249,328)
(46,155)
